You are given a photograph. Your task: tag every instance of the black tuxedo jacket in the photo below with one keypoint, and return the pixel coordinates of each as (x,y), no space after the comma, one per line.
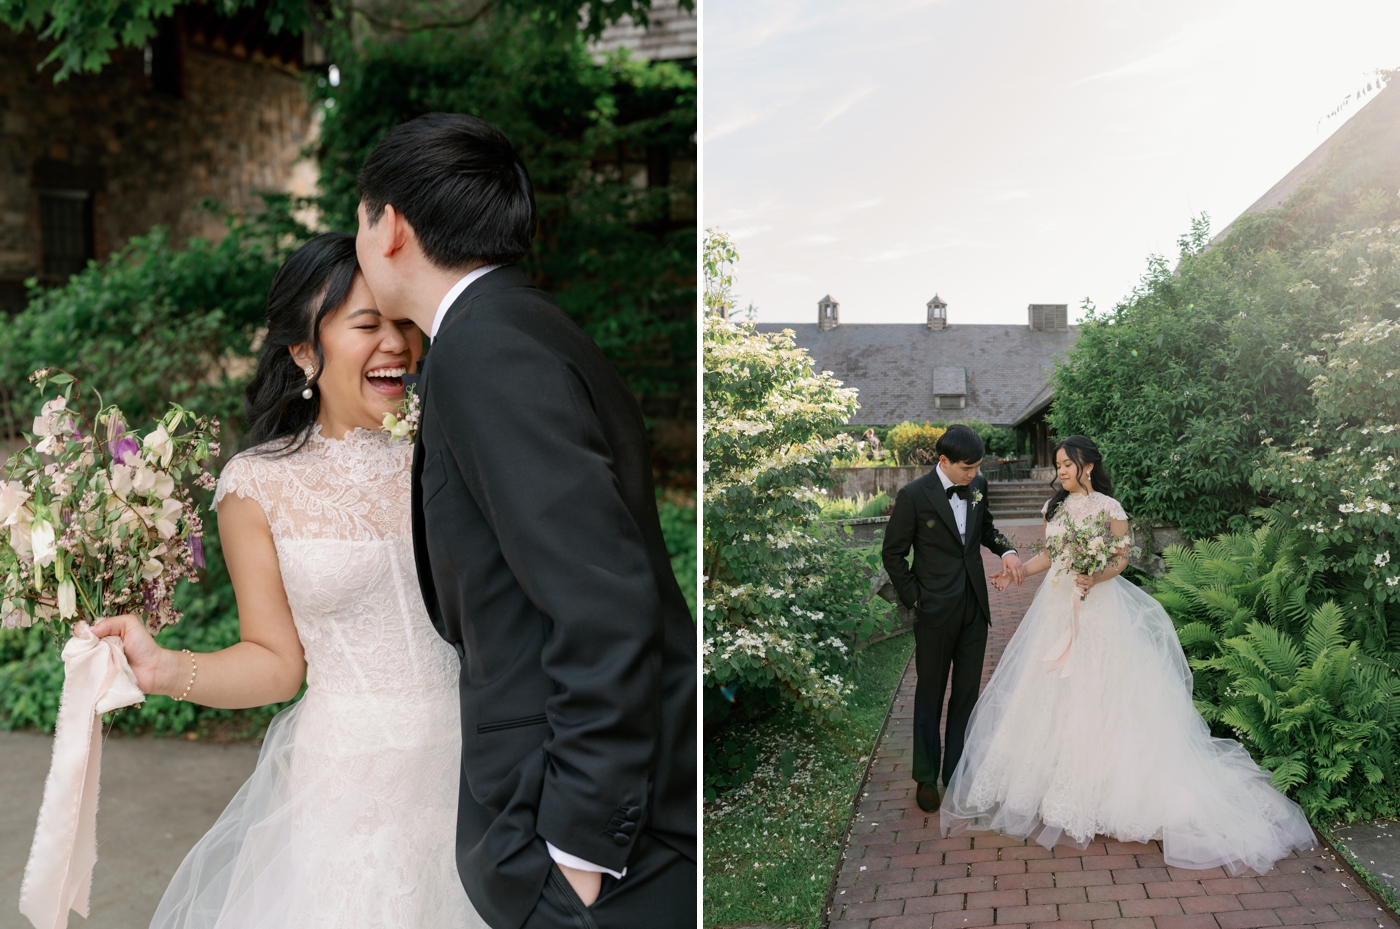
(945,567)
(541,559)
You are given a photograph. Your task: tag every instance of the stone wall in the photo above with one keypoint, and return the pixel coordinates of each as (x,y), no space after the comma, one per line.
(147,157)
(870,481)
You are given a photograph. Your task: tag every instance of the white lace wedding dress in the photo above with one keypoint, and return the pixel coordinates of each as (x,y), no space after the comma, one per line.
(349,820)
(1109,743)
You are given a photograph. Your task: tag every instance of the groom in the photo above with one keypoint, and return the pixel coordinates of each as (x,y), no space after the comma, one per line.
(540,555)
(944,517)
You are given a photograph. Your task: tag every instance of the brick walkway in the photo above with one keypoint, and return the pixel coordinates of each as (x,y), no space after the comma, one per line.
(897,873)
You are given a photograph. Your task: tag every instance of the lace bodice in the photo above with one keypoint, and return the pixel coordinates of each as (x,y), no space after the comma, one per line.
(1080,507)
(340,519)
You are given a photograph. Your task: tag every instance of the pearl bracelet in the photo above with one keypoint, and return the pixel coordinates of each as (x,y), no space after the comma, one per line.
(194,669)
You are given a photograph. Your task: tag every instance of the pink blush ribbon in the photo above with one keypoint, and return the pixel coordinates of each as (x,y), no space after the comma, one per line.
(58,875)
(1059,655)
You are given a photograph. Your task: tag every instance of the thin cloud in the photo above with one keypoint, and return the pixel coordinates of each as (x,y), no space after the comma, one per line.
(848,101)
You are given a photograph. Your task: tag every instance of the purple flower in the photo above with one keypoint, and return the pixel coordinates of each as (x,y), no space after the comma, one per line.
(122,444)
(197,550)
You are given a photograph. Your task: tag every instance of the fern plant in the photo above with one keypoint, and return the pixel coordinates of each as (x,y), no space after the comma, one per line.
(1284,673)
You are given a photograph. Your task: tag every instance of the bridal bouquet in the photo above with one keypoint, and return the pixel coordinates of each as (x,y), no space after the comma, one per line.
(1085,548)
(95,519)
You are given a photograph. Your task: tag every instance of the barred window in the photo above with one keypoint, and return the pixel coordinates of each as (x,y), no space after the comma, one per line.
(65,223)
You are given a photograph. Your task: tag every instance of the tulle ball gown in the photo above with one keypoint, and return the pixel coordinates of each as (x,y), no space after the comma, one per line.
(349,819)
(1109,743)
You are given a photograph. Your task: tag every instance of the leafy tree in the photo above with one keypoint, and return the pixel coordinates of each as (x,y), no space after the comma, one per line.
(782,595)
(86,32)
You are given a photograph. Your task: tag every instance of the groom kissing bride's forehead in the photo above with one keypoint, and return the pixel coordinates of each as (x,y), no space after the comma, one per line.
(539,554)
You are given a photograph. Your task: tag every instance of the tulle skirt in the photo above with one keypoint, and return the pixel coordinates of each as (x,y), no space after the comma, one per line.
(1110,743)
(348,822)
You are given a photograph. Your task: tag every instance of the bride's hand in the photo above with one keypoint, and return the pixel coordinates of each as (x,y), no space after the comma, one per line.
(1085,583)
(1001,580)
(142,652)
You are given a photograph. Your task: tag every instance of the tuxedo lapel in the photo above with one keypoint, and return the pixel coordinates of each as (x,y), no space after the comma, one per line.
(939,498)
(974,516)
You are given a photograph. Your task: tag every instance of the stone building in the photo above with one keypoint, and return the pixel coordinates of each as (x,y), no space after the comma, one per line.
(943,370)
(210,108)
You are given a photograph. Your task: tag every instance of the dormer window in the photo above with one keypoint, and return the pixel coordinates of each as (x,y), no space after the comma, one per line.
(949,387)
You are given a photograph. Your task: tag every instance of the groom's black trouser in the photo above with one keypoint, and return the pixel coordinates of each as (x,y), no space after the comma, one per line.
(657,892)
(955,638)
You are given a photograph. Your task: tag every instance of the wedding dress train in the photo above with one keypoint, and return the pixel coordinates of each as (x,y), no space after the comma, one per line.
(1110,743)
(349,820)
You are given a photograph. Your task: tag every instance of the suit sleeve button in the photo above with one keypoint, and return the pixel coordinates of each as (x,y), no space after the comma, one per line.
(632,812)
(627,828)
(620,838)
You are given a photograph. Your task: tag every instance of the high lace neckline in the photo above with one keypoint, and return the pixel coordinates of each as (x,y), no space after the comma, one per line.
(357,441)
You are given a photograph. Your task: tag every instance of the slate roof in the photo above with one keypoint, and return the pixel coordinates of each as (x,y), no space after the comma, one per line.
(899,367)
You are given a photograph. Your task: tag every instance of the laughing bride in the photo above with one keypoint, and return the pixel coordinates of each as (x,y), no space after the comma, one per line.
(349,819)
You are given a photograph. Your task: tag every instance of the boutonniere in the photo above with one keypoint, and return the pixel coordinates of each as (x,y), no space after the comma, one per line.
(975,498)
(403,422)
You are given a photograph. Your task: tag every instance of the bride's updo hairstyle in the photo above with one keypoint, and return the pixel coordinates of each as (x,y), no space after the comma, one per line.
(1082,451)
(308,288)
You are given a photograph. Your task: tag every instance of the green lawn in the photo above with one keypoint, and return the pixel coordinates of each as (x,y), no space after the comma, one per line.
(771,845)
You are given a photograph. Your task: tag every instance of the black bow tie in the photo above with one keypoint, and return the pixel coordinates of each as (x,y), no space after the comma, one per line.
(959,490)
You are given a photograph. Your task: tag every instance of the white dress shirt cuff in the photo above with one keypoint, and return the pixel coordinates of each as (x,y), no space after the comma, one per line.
(578,864)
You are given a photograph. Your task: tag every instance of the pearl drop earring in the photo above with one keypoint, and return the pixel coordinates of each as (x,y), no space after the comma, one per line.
(310,370)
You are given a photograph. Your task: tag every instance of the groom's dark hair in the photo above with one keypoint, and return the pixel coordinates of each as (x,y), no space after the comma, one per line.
(459,183)
(961,445)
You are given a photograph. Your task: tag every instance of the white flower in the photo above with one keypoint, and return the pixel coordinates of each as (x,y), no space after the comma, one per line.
(151,569)
(165,518)
(1382,559)
(12,495)
(164,485)
(41,542)
(159,448)
(1392,581)
(121,480)
(67,599)
(144,480)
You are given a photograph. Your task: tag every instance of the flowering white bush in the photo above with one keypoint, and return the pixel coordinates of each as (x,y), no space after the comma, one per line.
(782,594)
(1337,482)
(94,526)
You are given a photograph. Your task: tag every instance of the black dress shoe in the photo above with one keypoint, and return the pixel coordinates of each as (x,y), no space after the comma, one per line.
(927,797)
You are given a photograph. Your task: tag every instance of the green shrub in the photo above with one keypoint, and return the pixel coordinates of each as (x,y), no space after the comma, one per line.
(1278,665)
(781,593)
(862,506)
(678,526)
(1336,482)
(914,443)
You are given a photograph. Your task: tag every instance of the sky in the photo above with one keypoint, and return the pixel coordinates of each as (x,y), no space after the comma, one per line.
(1004,153)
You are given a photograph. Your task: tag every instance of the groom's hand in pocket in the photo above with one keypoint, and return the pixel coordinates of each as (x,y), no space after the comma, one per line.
(586,884)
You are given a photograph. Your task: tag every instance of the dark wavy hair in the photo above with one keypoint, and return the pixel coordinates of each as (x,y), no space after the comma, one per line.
(1082,451)
(307,288)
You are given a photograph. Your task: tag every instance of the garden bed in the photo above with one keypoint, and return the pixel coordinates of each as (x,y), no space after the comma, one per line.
(771,844)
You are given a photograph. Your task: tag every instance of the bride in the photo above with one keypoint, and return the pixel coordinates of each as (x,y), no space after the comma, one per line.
(349,819)
(1103,739)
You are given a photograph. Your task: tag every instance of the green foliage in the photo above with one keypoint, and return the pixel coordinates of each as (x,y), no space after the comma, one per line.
(1285,671)
(782,594)
(772,840)
(862,506)
(1183,382)
(86,32)
(915,443)
(608,250)
(678,526)
(1179,384)
(153,323)
(1336,482)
